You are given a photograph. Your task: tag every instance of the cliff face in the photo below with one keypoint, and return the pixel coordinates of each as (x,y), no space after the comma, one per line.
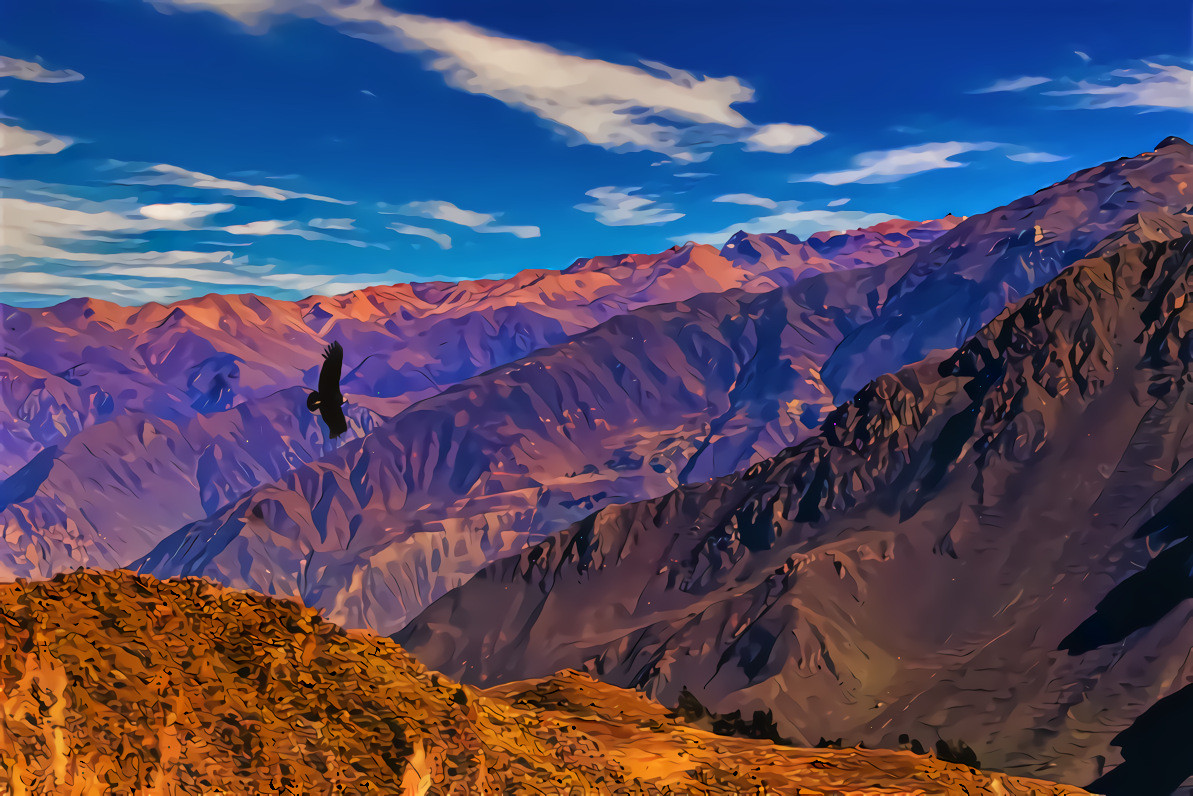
(939,562)
(117,683)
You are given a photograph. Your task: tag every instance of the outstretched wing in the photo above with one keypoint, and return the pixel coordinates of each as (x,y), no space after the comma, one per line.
(333,416)
(329,375)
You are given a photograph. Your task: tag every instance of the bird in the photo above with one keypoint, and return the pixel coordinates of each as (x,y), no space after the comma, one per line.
(328,400)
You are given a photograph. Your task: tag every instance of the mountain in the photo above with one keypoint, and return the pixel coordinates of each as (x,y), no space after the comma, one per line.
(657,397)
(102,494)
(990,547)
(84,360)
(961,281)
(119,683)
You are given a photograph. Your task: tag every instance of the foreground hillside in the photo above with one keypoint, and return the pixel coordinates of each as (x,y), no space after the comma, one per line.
(118,683)
(940,562)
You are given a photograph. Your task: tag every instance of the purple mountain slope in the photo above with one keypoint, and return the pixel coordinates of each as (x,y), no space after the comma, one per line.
(661,396)
(992,549)
(207,459)
(84,361)
(961,280)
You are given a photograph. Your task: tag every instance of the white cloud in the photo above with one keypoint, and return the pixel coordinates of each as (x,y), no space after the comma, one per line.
(619,207)
(19,141)
(444,241)
(1012,84)
(182,211)
(1083,56)
(839,202)
(1036,157)
(140,281)
(652,107)
(36,73)
(478,222)
(278,227)
(895,164)
(332,223)
(802,223)
(165,174)
(1158,86)
(747,199)
(781,137)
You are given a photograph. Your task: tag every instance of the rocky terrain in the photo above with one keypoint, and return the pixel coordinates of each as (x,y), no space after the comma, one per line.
(989,548)
(661,396)
(172,389)
(117,683)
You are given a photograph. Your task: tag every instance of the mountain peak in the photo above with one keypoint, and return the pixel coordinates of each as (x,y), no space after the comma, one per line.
(1172,140)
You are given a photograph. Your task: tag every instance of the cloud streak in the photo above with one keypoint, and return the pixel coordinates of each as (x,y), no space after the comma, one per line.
(19,141)
(652,107)
(1157,87)
(165,174)
(1013,84)
(35,73)
(1152,85)
(791,218)
(896,164)
(625,207)
(444,241)
(440,210)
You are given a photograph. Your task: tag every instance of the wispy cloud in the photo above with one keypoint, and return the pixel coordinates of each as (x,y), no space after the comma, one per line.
(162,280)
(19,141)
(625,207)
(1012,84)
(838,202)
(793,219)
(165,174)
(747,199)
(896,164)
(275,226)
(183,211)
(444,241)
(478,222)
(36,73)
(651,107)
(1156,86)
(1036,157)
(332,223)
(1150,85)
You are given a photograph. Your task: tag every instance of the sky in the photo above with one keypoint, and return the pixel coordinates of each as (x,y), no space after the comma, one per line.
(155,150)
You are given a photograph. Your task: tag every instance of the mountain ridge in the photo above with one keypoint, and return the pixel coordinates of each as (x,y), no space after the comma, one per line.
(885,577)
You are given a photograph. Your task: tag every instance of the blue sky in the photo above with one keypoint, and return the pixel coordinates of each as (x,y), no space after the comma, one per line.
(153,150)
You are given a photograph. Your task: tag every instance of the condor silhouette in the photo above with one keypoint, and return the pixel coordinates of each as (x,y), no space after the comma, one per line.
(328,400)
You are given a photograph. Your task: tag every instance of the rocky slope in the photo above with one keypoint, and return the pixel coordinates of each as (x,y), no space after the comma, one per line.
(993,549)
(98,496)
(960,281)
(657,397)
(75,364)
(117,683)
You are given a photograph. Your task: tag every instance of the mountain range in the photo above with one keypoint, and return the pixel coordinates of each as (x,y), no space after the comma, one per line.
(918,485)
(989,546)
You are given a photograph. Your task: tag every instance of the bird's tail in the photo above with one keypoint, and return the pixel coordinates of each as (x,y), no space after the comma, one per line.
(313,401)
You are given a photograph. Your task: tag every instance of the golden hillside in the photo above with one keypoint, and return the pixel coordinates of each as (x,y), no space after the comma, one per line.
(119,683)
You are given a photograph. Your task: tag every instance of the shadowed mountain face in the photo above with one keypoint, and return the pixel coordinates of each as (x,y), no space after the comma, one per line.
(657,397)
(119,683)
(103,494)
(960,281)
(940,561)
